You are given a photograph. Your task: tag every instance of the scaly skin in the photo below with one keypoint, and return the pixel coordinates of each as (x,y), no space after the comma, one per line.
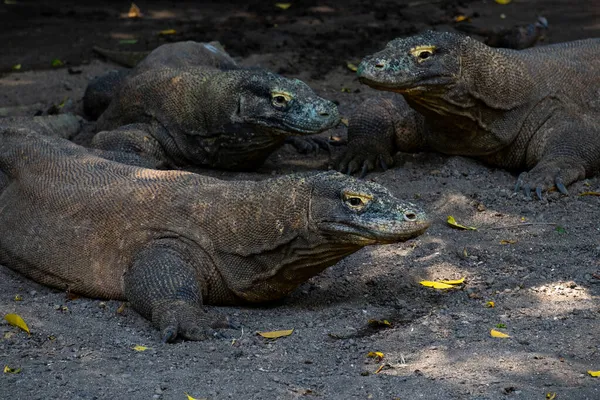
(172,242)
(193,106)
(534,109)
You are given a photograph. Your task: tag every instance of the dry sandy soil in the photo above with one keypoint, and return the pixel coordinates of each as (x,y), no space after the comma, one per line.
(545,282)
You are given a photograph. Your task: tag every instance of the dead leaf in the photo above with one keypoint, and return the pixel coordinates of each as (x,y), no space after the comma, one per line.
(167,32)
(140,348)
(193,398)
(498,334)
(8,335)
(344,121)
(595,374)
(461,18)
(18,297)
(379,322)
(590,194)
(346,90)
(57,63)
(376,354)
(550,395)
(352,67)
(490,304)
(452,222)
(436,285)
(283,6)
(134,11)
(121,308)
(128,41)
(454,282)
(16,67)
(503,2)
(9,370)
(16,320)
(276,334)
(508,241)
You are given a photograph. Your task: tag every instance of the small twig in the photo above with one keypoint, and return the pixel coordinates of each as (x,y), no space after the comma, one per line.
(522,224)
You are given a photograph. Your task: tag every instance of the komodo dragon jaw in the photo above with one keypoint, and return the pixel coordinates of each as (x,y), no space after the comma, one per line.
(424,63)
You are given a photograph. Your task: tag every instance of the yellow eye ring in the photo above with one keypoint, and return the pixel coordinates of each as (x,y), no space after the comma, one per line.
(280,99)
(422,53)
(357,201)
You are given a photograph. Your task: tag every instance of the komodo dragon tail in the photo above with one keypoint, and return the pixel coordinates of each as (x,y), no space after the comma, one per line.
(125,58)
(63,126)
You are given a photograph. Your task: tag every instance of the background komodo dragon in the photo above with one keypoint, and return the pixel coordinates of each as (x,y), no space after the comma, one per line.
(189,104)
(172,241)
(536,109)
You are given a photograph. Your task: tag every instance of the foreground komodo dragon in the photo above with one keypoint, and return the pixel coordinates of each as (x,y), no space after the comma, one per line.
(189,104)
(536,109)
(171,242)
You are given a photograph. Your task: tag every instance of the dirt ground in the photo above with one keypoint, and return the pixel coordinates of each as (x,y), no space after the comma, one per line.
(538,261)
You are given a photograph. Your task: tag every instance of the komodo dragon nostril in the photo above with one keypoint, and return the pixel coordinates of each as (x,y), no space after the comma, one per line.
(324,114)
(410,216)
(380,65)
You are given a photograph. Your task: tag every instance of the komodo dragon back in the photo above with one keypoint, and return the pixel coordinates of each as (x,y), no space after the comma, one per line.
(173,242)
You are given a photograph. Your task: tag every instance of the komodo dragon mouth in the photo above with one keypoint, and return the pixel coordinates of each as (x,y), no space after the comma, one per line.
(384,232)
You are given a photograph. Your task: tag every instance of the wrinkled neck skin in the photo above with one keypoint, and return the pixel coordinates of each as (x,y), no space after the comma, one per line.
(267,244)
(481,110)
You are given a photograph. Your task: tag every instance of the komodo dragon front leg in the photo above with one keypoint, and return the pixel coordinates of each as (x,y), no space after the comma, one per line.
(380,128)
(132,144)
(564,150)
(166,287)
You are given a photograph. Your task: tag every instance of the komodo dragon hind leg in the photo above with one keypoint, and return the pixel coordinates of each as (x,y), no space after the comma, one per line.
(131,144)
(164,287)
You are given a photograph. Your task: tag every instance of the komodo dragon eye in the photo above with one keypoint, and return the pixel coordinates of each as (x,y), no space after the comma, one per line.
(357,201)
(280,100)
(422,52)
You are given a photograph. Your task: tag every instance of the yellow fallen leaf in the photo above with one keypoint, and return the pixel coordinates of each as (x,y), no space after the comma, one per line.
(57,63)
(193,398)
(436,285)
(283,6)
(140,348)
(276,334)
(379,322)
(344,121)
(594,373)
(503,2)
(490,304)
(590,194)
(452,222)
(18,297)
(352,67)
(508,241)
(121,308)
(376,354)
(346,90)
(167,32)
(16,320)
(134,11)
(498,334)
(550,395)
(454,282)
(460,18)
(16,67)
(9,370)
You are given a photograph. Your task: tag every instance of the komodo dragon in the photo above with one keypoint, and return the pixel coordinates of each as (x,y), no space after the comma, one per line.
(171,242)
(189,104)
(536,109)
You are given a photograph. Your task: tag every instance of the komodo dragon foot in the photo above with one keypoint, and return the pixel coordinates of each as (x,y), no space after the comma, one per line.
(545,176)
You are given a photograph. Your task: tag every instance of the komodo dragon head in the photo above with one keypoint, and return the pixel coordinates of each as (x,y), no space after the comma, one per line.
(276,104)
(415,64)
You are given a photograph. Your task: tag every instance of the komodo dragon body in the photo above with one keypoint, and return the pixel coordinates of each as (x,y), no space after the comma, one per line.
(189,104)
(536,109)
(171,242)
